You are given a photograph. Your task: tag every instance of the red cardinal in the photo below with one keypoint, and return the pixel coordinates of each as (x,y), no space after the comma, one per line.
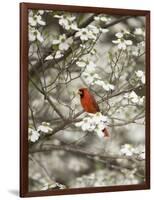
(90,105)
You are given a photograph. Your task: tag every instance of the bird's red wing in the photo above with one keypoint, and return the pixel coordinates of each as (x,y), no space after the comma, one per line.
(94,103)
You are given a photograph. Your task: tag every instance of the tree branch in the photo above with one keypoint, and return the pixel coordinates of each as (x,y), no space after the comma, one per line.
(41,166)
(67,53)
(48,99)
(108,160)
(74,119)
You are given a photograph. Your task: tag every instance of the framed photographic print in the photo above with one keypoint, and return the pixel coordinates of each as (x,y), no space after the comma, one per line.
(85,99)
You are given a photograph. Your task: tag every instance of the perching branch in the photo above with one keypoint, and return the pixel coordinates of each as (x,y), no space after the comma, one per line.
(67,122)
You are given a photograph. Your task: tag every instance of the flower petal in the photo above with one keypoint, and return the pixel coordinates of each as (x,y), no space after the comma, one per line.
(63,46)
(39,37)
(81,63)
(128,42)
(54,42)
(119,35)
(116,41)
(50,57)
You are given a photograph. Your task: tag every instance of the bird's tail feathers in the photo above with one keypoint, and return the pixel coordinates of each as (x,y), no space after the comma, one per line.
(106,132)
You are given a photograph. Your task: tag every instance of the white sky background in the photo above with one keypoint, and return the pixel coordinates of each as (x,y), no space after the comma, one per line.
(9,101)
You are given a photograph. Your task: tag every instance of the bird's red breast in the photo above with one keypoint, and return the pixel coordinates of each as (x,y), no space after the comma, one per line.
(90,105)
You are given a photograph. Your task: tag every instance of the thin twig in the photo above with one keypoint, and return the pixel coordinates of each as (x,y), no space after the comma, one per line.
(44,170)
(105,159)
(48,99)
(32,115)
(67,53)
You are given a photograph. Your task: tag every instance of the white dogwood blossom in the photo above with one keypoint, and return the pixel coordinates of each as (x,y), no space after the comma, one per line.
(102,18)
(127,150)
(63,42)
(93,123)
(106,86)
(67,21)
(89,73)
(141,44)
(35,20)
(93,32)
(44,127)
(50,57)
(121,42)
(139,31)
(141,156)
(52,186)
(40,12)
(119,35)
(141,75)
(81,63)
(91,77)
(90,33)
(58,54)
(34,34)
(83,46)
(83,34)
(137,152)
(135,51)
(104,30)
(139,49)
(91,67)
(33,135)
(132,96)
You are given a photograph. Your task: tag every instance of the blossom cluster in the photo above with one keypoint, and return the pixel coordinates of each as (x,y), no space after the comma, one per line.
(53,186)
(141,76)
(34,135)
(138,49)
(44,183)
(91,32)
(35,20)
(34,35)
(67,21)
(93,123)
(125,38)
(90,75)
(139,32)
(134,98)
(106,177)
(129,150)
(120,41)
(62,43)
(102,18)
